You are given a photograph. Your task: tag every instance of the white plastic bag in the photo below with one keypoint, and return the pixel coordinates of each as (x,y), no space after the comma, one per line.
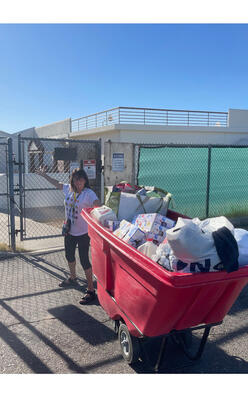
(127,205)
(214,223)
(241,236)
(130,205)
(189,243)
(165,257)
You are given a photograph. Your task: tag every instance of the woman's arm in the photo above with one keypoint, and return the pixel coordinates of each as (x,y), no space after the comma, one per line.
(54,182)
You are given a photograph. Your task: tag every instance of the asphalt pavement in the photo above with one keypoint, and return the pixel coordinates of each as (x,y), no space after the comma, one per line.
(44,329)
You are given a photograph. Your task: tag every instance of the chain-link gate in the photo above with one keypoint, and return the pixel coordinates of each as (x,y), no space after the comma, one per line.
(4,199)
(41,205)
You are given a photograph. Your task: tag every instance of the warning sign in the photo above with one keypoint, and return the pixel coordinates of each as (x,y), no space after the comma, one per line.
(118,162)
(90,168)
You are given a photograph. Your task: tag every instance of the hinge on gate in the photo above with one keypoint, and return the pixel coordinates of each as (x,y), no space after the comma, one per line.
(16,231)
(17,163)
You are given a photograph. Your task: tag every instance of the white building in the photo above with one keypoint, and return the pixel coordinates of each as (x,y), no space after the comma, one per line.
(143,125)
(149,125)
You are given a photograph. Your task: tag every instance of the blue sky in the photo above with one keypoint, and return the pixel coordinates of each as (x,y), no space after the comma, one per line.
(49,72)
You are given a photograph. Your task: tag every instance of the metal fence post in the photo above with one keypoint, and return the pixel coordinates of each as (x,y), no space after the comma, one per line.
(208,181)
(20,169)
(11,193)
(100,166)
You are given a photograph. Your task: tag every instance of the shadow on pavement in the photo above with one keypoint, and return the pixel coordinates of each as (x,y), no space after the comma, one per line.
(213,361)
(53,269)
(24,353)
(87,327)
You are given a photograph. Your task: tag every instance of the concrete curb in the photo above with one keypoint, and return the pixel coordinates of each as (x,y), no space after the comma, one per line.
(10,254)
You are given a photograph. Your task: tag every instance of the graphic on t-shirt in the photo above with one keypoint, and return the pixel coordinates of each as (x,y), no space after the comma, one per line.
(72,207)
(74,203)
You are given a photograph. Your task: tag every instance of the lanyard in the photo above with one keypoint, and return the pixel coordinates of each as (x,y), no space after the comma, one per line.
(72,208)
(74,196)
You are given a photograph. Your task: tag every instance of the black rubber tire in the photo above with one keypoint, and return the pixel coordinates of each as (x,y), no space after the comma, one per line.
(130,346)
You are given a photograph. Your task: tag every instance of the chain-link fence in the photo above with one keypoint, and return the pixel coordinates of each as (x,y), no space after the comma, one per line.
(204,180)
(41,203)
(30,206)
(4,203)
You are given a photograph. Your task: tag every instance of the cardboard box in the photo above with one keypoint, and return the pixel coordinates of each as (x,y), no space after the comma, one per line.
(112,224)
(153,222)
(102,214)
(156,238)
(135,237)
(123,229)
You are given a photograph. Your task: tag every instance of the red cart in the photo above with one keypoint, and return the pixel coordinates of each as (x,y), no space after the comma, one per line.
(145,300)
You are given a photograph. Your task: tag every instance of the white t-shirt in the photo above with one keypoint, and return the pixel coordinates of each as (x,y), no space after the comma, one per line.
(74,203)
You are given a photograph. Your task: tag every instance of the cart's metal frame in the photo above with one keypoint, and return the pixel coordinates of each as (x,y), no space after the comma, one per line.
(177,336)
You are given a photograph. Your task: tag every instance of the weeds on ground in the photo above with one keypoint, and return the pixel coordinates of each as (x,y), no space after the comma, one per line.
(6,248)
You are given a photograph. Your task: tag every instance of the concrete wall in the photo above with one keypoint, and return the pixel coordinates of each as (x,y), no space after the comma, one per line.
(235,133)
(105,134)
(197,135)
(132,133)
(114,177)
(28,133)
(238,118)
(59,129)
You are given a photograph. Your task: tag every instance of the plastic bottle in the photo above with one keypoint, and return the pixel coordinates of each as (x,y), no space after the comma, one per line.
(148,248)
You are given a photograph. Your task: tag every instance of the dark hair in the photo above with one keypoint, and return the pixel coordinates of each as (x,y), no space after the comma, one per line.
(78,174)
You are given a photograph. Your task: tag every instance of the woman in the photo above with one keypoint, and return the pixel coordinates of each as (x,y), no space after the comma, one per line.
(78,195)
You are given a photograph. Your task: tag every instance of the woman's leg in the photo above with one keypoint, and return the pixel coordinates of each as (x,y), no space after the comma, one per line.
(72,268)
(70,247)
(89,278)
(83,249)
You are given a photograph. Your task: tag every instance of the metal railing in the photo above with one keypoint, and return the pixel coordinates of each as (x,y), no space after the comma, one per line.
(150,116)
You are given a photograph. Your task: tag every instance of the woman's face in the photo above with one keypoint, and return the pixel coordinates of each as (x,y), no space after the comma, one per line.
(79,183)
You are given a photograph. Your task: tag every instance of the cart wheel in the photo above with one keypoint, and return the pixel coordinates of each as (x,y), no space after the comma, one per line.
(130,346)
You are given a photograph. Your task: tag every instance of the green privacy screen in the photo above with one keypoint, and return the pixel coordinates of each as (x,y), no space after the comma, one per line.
(229,181)
(185,172)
